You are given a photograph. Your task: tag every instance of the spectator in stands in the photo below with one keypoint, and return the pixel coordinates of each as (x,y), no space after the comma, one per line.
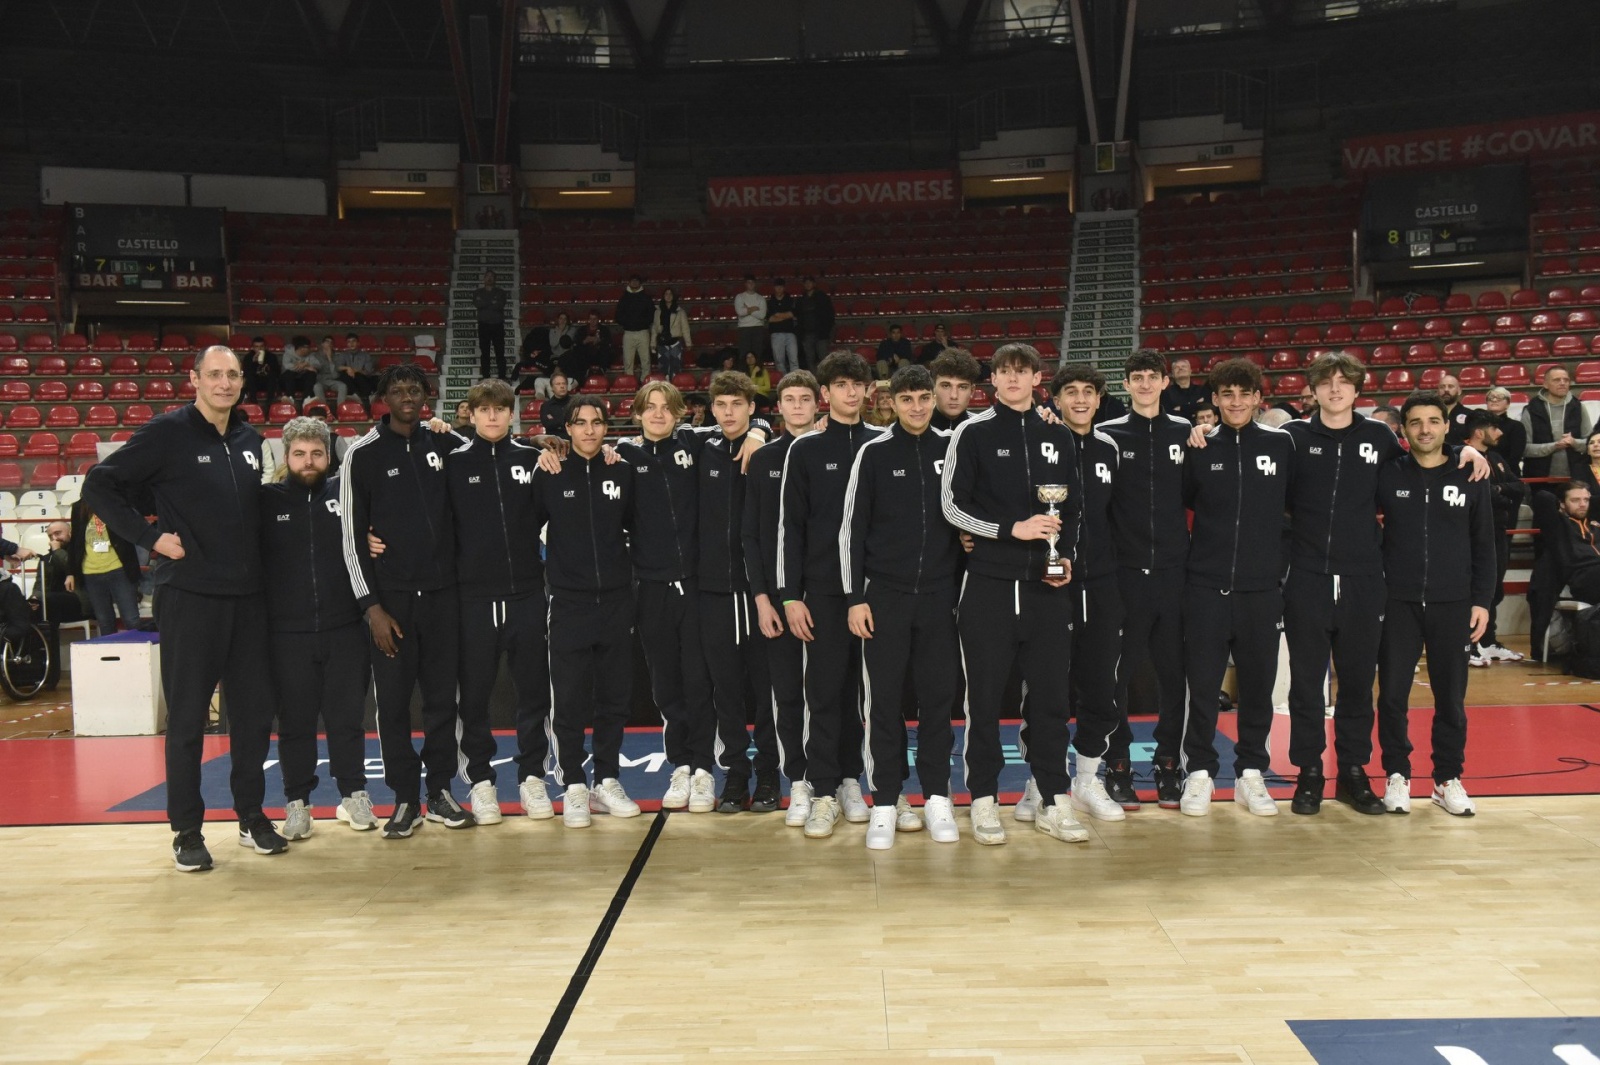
(894,351)
(1508,493)
(750,308)
(1455,412)
(260,370)
(756,370)
(1205,416)
(462,425)
(356,367)
(1390,417)
(298,376)
(697,408)
(559,337)
(103,567)
(489,305)
(882,409)
(1514,438)
(533,369)
(1586,471)
(1570,558)
(1183,395)
(634,314)
(553,415)
(782,325)
(670,327)
(593,347)
(322,363)
(933,348)
(13,607)
(52,601)
(1555,421)
(815,311)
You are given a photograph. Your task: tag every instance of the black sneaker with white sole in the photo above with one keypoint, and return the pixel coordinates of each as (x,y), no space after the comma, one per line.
(405,819)
(261,836)
(767,795)
(1169,785)
(189,852)
(443,808)
(735,795)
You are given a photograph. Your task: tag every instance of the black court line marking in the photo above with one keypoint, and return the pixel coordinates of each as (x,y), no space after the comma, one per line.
(591,957)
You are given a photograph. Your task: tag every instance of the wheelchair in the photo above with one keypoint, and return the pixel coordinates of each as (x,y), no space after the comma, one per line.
(25,663)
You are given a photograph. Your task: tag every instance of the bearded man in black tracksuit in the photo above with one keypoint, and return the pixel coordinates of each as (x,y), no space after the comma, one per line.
(319,644)
(900,559)
(1151,532)
(816,474)
(1438,556)
(1011,611)
(1237,487)
(394,486)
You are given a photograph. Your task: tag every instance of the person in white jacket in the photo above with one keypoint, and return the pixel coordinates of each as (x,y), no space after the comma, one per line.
(751,308)
(671,332)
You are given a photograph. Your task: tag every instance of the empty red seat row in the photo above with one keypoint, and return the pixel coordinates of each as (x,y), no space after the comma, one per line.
(45,474)
(342,317)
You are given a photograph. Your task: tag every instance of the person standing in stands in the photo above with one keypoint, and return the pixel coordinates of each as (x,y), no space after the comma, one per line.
(1556,426)
(750,308)
(318,643)
(816,474)
(798,396)
(489,307)
(634,314)
(1183,394)
(201,464)
(553,413)
(395,486)
(105,568)
(815,314)
(900,559)
(782,323)
(670,328)
(1507,493)
(1438,558)
(1513,434)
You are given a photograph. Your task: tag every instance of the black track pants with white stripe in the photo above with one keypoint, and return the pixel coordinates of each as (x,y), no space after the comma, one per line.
(514,628)
(591,679)
(916,630)
(427,659)
(833,732)
(736,655)
(670,629)
(786,671)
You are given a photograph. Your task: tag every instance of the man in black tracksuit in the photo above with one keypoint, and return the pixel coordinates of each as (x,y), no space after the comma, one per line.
(735,651)
(395,486)
(811,514)
(1010,611)
(501,591)
(900,559)
(1237,487)
(1151,532)
(199,469)
(319,644)
(1485,435)
(1438,556)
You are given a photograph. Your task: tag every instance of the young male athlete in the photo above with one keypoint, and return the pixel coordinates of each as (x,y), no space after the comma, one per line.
(955,374)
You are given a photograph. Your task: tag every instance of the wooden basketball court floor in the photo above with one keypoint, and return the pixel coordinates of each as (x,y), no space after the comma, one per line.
(1164,939)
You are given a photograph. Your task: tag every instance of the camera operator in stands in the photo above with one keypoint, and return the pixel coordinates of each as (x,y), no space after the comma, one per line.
(1569,557)
(1507,493)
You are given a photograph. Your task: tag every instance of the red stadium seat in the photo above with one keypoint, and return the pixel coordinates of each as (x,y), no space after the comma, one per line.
(16,391)
(626,382)
(1386,355)
(10,475)
(125,365)
(159,391)
(1421,354)
(83,443)
(352,410)
(10,446)
(51,366)
(42,445)
(1493,350)
(1473,376)
(24,416)
(1289,384)
(137,414)
(87,366)
(1587,373)
(1546,322)
(141,342)
(101,416)
(1511,376)
(1431,377)
(63,416)
(1532,348)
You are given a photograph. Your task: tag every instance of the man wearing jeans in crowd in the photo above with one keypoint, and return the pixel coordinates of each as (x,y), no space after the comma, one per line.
(782,324)
(105,567)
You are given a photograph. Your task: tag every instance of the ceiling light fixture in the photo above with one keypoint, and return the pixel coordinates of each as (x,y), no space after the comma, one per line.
(155,303)
(1445,266)
(1197,169)
(397,192)
(1001,180)
(584,192)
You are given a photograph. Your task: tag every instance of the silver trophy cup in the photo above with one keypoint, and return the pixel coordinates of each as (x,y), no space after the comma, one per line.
(1055,566)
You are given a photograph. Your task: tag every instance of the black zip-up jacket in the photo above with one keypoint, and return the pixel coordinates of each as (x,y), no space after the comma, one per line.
(1095,559)
(784,304)
(589,508)
(811,508)
(814,312)
(759,523)
(996,463)
(636,311)
(668,504)
(496,519)
(946,426)
(1333,519)
(1438,533)
(720,552)
(397,486)
(1147,514)
(1238,486)
(1507,490)
(894,529)
(202,484)
(302,546)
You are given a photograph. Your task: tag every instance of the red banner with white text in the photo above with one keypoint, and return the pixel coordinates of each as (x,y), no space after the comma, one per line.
(1545,137)
(903,190)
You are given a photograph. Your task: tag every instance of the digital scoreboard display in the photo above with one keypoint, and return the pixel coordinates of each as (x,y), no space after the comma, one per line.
(1445,214)
(147,249)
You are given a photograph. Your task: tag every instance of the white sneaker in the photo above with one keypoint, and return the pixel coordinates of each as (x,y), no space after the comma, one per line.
(702,792)
(356,811)
(1250,791)
(1197,789)
(677,796)
(820,821)
(1397,794)
(609,798)
(850,801)
(941,819)
(799,804)
(1477,659)
(986,826)
(1057,822)
(536,800)
(1089,796)
(485,803)
(1452,797)
(297,823)
(1495,653)
(575,806)
(1027,807)
(906,817)
(880,829)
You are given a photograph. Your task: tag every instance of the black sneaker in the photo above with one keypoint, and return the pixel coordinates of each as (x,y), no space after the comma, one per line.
(403,821)
(1119,785)
(735,795)
(1169,785)
(1355,791)
(767,794)
(443,808)
(189,852)
(1308,791)
(261,836)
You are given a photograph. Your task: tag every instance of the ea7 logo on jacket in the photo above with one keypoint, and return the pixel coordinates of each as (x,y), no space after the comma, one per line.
(474,479)
(522,475)
(612,489)
(1048,450)
(1102,472)
(1454,496)
(1266,465)
(899,473)
(436,460)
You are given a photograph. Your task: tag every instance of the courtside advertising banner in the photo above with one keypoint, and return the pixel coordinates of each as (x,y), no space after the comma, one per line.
(903,190)
(1547,137)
